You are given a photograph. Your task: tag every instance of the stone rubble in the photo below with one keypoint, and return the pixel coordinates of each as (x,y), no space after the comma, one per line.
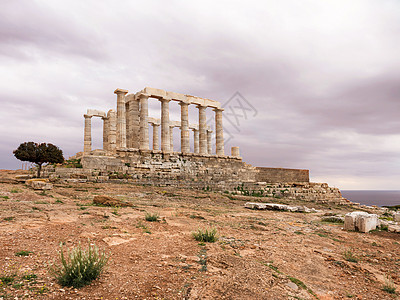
(275,206)
(361,221)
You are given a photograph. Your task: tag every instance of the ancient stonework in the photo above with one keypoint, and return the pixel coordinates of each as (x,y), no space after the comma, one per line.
(127,155)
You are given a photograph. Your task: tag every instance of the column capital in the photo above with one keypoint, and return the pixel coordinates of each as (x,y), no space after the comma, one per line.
(143,95)
(218,109)
(165,99)
(87,116)
(201,106)
(182,103)
(120,91)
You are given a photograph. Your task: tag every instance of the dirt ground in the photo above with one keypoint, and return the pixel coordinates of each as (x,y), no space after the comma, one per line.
(259,254)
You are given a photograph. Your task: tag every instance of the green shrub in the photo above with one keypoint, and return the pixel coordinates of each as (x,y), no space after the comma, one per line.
(206,235)
(80,267)
(23,253)
(152,217)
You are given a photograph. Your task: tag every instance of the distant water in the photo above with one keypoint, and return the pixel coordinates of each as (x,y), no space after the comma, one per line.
(369,197)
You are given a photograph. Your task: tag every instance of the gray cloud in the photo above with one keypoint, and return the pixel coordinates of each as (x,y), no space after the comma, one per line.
(323,76)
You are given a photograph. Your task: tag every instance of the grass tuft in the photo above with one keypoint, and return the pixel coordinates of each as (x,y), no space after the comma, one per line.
(152,217)
(389,286)
(23,253)
(80,266)
(349,256)
(206,235)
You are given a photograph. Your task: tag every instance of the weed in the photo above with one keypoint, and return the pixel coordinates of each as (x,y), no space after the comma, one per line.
(115,211)
(196,217)
(8,218)
(7,279)
(384,227)
(80,266)
(298,232)
(5,197)
(18,285)
(301,284)
(206,235)
(23,253)
(389,286)
(333,219)
(349,256)
(152,217)
(14,191)
(203,259)
(29,277)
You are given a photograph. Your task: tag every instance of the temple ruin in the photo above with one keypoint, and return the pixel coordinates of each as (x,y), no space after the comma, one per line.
(127,156)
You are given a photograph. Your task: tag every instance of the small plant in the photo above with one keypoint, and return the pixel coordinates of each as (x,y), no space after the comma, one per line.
(8,218)
(29,277)
(207,235)
(7,279)
(59,201)
(152,217)
(349,256)
(23,253)
(14,191)
(5,197)
(79,267)
(389,286)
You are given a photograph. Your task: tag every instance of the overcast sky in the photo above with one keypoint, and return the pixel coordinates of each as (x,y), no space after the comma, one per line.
(319,81)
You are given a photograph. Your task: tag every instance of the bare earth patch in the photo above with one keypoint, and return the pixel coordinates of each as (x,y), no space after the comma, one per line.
(259,254)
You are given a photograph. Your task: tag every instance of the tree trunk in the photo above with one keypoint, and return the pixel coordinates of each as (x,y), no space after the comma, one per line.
(39,169)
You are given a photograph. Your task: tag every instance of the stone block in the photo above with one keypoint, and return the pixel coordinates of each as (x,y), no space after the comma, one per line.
(41,185)
(394,228)
(360,221)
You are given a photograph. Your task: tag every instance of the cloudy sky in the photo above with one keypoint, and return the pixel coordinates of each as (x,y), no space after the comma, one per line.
(318,81)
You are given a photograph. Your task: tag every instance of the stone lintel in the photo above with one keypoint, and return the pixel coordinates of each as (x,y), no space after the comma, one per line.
(96,113)
(121,91)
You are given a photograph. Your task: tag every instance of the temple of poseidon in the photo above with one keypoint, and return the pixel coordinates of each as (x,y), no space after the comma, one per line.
(127,155)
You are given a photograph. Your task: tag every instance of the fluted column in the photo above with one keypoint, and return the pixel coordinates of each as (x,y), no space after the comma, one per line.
(171,138)
(134,125)
(196,140)
(112,130)
(165,136)
(209,141)
(87,138)
(144,126)
(202,130)
(185,147)
(121,118)
(219,132)
(156,145)
(106,128)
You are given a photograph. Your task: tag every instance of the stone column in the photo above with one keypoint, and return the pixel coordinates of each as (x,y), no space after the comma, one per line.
(134,126)
(209,141)
(156,145)
(185,147)
(112,130)
(165,136)
(106,129)
(121,118)
(144,123)
(87,138)
(235,151)
(202,130)
(171,138)
(196,140)
(219,132)
(128,125)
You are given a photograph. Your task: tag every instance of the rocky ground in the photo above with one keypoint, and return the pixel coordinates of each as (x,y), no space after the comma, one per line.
(259,254)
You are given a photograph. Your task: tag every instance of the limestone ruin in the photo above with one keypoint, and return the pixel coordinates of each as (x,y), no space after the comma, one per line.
(127,155)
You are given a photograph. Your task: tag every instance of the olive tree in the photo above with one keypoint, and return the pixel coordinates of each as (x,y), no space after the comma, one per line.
(39,154)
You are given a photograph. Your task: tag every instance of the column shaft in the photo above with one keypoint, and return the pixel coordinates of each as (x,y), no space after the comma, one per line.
(171,138)
(165,136)
(196,140)
(156,145)
(202,130)
(112,131)
(121,118)
(209,142)
(219,132)
(87,138)
(134,126)
(106,128)
(144,125)
(185,147)
(128,126)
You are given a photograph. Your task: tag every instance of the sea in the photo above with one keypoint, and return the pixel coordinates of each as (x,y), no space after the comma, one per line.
(373,197)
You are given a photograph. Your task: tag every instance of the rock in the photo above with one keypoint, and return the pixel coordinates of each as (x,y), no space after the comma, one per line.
(360,221)
(275,206)
(23,177)
(396,217)
(114,241)
(394,228)
(41,185)
(292,285)
(109,201)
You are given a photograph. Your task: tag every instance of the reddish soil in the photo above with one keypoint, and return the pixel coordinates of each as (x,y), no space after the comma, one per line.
(259,254)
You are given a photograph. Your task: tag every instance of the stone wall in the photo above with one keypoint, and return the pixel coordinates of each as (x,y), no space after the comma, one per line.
(275,175)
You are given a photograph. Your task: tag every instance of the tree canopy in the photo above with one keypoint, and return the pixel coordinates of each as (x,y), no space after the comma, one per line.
(39,154)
